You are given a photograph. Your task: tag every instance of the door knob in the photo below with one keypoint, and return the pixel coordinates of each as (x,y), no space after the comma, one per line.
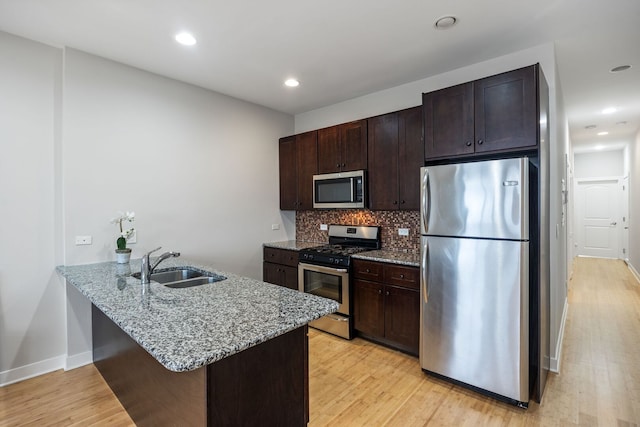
(614,223)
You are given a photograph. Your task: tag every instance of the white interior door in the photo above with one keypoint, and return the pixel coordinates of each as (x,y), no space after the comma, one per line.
(625,218)
(598,216)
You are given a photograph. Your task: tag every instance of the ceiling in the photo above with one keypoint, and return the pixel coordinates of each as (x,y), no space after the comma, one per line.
(343,49)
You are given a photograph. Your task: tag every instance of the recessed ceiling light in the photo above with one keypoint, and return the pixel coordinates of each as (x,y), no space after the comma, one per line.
(590,127)
(292,83)
(603,133)
(619,68)
(609,110)
(186,39)
(621,123)
(446,22)
(599,147)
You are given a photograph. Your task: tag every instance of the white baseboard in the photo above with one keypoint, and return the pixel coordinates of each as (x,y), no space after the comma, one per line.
(78,360)
(634,272)
(33,370)
(554,363)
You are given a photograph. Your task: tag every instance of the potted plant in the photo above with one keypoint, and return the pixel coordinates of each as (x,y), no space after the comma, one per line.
(123,254)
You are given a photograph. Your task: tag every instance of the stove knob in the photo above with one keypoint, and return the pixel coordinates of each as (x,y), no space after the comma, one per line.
(337,261)
(331,260)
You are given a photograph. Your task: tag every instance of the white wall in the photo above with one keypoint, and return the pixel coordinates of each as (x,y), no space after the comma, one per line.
(559,147)
(32,302)
(200,170)
(634,206)
(599,164)
(410,94)
(84,137)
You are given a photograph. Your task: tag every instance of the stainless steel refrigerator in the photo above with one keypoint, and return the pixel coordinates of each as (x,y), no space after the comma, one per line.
(475,273)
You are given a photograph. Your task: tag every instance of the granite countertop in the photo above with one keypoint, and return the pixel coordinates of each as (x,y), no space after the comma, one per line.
(185,329)
(293,245)
(411,259)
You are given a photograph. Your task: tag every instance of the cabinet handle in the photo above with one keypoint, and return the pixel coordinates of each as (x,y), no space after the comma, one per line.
(402,276)
(387,293)
(337,165)
(402,202)
(344,164)
(395,202)
(379,291)
(480,142)
(468,144)
(368,271)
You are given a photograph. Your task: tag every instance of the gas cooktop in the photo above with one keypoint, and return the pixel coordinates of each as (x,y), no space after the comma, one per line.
(344,241)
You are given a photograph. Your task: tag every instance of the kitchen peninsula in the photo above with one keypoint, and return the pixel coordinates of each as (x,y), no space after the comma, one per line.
(232,352)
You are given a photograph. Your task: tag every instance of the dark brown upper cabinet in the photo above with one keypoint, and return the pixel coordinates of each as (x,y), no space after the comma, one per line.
(395,153)
(343,147)
(494,114)
(298,159)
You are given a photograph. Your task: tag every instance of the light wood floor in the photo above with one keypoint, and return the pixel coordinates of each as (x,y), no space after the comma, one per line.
(356,383)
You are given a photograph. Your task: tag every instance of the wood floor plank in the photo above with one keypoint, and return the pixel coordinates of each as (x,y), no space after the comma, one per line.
(358,383)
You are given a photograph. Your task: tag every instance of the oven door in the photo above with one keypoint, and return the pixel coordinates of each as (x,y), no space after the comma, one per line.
(328,282)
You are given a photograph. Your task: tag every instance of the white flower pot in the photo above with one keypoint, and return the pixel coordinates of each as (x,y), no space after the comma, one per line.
(123,256)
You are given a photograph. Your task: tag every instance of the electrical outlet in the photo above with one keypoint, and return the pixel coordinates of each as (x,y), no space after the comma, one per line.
(275,226)
(133,238)
(403,231)
(83,240)
(324,227)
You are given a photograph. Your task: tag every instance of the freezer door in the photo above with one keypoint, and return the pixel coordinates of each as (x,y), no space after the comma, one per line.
(481,199)
(475,313)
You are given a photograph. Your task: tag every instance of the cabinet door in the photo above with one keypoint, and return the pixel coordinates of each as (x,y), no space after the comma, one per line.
(506,111)
(329,158)
(271,273)
(289,277)
(307,161)
(383,162)
(368,307)
(448,122)
(288,173)
(353,141)
(402,317)
(410,157)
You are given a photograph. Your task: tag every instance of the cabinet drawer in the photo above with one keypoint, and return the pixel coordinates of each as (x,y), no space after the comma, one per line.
(281,256)
(370,270)
(408,277)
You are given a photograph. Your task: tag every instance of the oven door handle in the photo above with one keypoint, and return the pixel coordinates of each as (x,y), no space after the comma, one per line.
(322,268)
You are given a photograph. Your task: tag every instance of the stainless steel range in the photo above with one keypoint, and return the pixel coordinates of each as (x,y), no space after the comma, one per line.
(324,271)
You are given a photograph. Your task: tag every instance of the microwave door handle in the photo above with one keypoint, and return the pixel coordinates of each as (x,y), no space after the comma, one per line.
(353,189)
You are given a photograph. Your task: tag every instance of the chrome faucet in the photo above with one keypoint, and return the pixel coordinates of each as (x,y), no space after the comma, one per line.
(146,269)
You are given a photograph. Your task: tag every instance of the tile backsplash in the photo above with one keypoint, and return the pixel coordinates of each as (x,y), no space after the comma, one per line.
(308,225)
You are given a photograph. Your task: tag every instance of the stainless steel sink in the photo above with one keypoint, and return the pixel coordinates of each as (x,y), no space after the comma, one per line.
(183,277)
(194,282)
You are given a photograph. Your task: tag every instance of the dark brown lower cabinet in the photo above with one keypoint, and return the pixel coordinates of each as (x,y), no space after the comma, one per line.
(264,385)
(387,304)
(280,267)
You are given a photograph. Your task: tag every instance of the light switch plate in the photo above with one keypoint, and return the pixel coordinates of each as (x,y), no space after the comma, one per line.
(324,227)
(133,238)
(403,231)
(83,240)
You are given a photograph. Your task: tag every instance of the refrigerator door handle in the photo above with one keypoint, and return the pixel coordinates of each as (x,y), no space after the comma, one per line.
(423,271)
(425,193)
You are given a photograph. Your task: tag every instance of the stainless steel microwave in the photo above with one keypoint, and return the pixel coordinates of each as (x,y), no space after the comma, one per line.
(339,190)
